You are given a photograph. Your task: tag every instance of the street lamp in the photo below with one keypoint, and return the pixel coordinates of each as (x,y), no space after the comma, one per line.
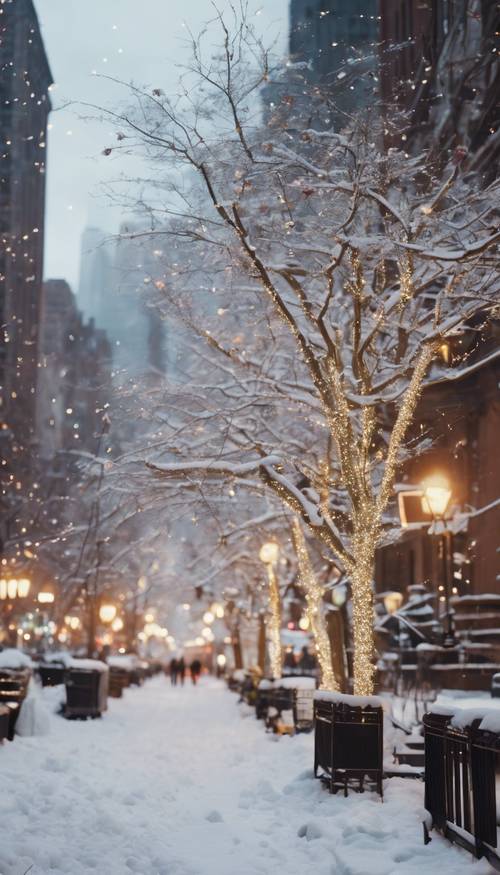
(269,555)
(435,500)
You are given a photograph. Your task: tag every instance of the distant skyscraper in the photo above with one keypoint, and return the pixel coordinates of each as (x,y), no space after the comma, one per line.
(95,272)
(115,277)
(74,376)
(25,78)
(332,44)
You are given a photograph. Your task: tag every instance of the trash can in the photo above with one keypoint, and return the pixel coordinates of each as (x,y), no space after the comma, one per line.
(118,681)
(13,689)
(348,742)
(86,689)
(51,674)
(4,722)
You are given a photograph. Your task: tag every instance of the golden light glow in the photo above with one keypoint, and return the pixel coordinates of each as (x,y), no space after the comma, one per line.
(14,588)
(437,496)
(269,553)
(117,624)
(393,601)
(208,617)
(107,613)
(314,601)
(274,624)
(23,587)
(45,597)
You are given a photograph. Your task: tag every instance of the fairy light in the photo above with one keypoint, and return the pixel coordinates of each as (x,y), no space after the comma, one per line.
(269,557)
(314,602)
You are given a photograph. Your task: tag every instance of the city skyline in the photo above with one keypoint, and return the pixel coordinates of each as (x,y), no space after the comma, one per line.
(105,43)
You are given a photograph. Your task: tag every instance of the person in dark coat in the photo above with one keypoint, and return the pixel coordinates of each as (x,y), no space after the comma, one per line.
(174,671)
(195,670)
(181,669)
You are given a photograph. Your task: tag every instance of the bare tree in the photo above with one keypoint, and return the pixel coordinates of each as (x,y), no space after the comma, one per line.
(347,269)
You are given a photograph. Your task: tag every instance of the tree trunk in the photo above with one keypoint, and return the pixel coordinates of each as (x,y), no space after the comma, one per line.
(274,625)
(237,654)
(314,600)
(362,612)
(261,646)
(319,629)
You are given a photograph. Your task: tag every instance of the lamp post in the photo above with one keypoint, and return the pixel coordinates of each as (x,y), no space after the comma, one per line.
(435,500)
(269,555)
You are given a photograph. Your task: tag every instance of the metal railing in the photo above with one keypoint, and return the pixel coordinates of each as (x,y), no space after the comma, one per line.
(460,784)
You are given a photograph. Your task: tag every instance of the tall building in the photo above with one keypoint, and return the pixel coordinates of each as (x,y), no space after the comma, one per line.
(332,48)
(440,64)
(115,279)
(74,377)
(25,79)
(96,267)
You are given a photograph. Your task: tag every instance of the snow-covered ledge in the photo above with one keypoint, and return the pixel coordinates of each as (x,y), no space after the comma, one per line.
(346,699)
(288,683)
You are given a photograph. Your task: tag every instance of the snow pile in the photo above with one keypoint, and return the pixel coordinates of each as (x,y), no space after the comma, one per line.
(346,699)
(14,659)
(297,683)
(464,708)
(58,656)
(89,665)
(128,661)
(34,718)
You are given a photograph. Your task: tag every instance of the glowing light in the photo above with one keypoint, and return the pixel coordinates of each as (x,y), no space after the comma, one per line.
(208,617)
(46,598)
(207,634)
(117,624)
(437,496)
(107,613)
(269,553)
(393,601)
(314,601)
(23,587)
(221,660)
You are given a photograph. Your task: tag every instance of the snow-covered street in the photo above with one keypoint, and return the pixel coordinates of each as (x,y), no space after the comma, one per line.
(179,782)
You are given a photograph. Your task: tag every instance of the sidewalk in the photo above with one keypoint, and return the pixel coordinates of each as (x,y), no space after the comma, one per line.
(177,782)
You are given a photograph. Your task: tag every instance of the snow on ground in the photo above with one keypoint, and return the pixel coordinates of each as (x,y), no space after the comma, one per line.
(180,782)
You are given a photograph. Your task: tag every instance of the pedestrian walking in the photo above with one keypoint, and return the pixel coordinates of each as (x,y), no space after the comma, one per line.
(195,670)
(174,671)
(181,670)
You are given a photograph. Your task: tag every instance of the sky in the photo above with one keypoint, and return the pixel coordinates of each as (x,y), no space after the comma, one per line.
(144,42)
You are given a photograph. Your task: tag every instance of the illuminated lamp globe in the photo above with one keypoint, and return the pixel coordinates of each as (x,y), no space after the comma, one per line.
(393,601)
(304,623)
(23,587)
(221,660)
(117,624)
(107,613)
(12,588)
(208,617)
(269,553)
(436,497)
